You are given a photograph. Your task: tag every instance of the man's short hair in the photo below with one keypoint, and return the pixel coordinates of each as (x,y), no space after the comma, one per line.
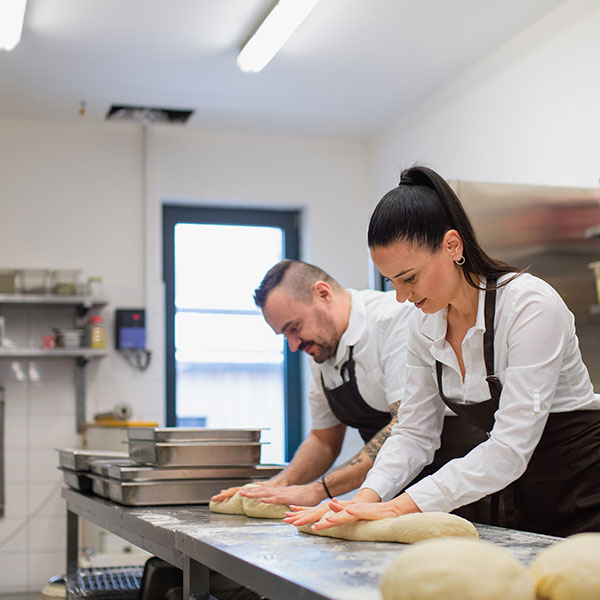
(295,276)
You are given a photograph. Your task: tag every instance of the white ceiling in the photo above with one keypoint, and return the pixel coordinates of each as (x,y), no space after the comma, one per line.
(352,67)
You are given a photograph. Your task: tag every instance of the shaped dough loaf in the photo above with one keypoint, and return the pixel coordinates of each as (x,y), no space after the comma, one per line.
(251,507)
(406,529)
(456,569)
(569,570)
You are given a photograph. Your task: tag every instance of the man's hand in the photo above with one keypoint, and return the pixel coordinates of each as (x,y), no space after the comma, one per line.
(229,492)
(307,495)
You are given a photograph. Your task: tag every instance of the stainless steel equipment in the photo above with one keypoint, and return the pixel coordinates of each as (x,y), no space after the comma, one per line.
(79,460)
(194,454)
(552,231)
(192,434)
(184,446)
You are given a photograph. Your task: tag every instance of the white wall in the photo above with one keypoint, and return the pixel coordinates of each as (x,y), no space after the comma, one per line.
(89,197)
(526,114)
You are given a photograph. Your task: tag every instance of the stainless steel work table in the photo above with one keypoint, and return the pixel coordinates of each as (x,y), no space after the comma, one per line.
(267,556)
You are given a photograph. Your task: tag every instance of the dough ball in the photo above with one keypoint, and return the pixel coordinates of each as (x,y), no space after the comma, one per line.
(230,506)
(456,569)
(570,569)
(253,507)
(406,529)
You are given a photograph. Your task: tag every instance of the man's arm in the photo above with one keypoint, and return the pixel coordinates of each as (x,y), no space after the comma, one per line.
(352,473)
(345,478)
(314,456)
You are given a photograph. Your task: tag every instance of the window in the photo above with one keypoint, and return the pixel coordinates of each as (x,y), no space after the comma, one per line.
(225,366)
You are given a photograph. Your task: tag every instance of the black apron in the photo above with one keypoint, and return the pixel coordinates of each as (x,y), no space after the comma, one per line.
(559,493)
(348,406)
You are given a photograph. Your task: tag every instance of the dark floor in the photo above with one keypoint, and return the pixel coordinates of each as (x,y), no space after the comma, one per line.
(24,596)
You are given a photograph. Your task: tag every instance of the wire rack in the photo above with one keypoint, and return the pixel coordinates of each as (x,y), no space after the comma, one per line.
(105,583)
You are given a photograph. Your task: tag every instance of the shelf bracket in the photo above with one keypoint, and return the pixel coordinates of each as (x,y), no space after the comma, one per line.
(80,363)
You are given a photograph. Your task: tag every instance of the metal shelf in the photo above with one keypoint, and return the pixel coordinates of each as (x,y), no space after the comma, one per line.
(84,353)
(81,304)
(52,299)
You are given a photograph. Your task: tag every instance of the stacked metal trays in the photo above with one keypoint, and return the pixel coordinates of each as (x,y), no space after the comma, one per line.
(171,466)
(76,465)
(182,446)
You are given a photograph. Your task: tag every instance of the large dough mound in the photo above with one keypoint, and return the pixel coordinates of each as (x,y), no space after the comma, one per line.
(406,529)
(456,569)
(570,569)
(251,507)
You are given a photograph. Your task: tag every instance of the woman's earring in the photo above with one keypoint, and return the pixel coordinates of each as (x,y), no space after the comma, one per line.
(460,261)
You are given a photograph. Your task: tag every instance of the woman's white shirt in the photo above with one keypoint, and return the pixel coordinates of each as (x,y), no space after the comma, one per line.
(538,362)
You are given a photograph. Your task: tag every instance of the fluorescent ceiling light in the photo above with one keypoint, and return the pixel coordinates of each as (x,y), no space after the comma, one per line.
(273,33)
(12,14)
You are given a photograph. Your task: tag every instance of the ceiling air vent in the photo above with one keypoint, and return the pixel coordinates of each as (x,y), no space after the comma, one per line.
(147,114)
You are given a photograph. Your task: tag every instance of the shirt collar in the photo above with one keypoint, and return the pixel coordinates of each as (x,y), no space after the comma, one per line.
(434,326)
(357,323)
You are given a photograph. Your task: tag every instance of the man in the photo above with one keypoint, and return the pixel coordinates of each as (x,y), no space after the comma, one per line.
(357,344)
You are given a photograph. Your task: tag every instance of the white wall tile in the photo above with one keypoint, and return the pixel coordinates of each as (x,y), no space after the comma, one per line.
(15,465)
(43,566)
(43,465)
(16,398)
(15,500)
(13,572)
(52,398)
(49,495)
(15,432)
(18,543)
(57,431)
(48,534)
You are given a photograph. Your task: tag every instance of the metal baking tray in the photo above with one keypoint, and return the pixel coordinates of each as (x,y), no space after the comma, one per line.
(77,480)
(79,460)
(175,491)
(192,434)
(100,466)
(100,485)
(185,454)
(139,473)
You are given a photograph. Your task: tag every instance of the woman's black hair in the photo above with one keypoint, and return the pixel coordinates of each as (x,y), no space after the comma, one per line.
(421,210)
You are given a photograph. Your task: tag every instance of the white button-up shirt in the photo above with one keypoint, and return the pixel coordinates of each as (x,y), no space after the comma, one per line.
(538,362)
(378,330)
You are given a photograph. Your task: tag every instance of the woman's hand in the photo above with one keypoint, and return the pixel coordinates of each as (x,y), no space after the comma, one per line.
(367,511)
(303,515)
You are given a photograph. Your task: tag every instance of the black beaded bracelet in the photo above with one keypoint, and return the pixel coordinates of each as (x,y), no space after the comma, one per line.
(325,487)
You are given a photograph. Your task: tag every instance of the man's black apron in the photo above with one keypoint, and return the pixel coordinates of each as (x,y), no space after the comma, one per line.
(559,493)
(348,406)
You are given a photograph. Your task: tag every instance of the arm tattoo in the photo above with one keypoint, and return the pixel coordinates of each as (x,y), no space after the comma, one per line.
(373,446)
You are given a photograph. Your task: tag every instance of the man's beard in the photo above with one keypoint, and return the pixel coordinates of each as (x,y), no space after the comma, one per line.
(330,339)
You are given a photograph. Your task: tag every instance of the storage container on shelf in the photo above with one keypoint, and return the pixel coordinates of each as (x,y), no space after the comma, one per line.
(11,281)
(97,332)
(36,281)
(67,282)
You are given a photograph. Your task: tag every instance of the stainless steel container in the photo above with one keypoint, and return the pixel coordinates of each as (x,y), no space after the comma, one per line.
(79,460)
(139,473)
(217,453)
(174,491)
(192,434)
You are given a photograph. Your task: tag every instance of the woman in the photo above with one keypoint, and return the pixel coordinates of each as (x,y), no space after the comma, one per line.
(499,348)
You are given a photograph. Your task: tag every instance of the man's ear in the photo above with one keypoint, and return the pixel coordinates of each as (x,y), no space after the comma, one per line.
(322,292)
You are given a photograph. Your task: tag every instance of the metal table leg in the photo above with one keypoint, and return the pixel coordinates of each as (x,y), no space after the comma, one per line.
(72,542)
(196,580)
